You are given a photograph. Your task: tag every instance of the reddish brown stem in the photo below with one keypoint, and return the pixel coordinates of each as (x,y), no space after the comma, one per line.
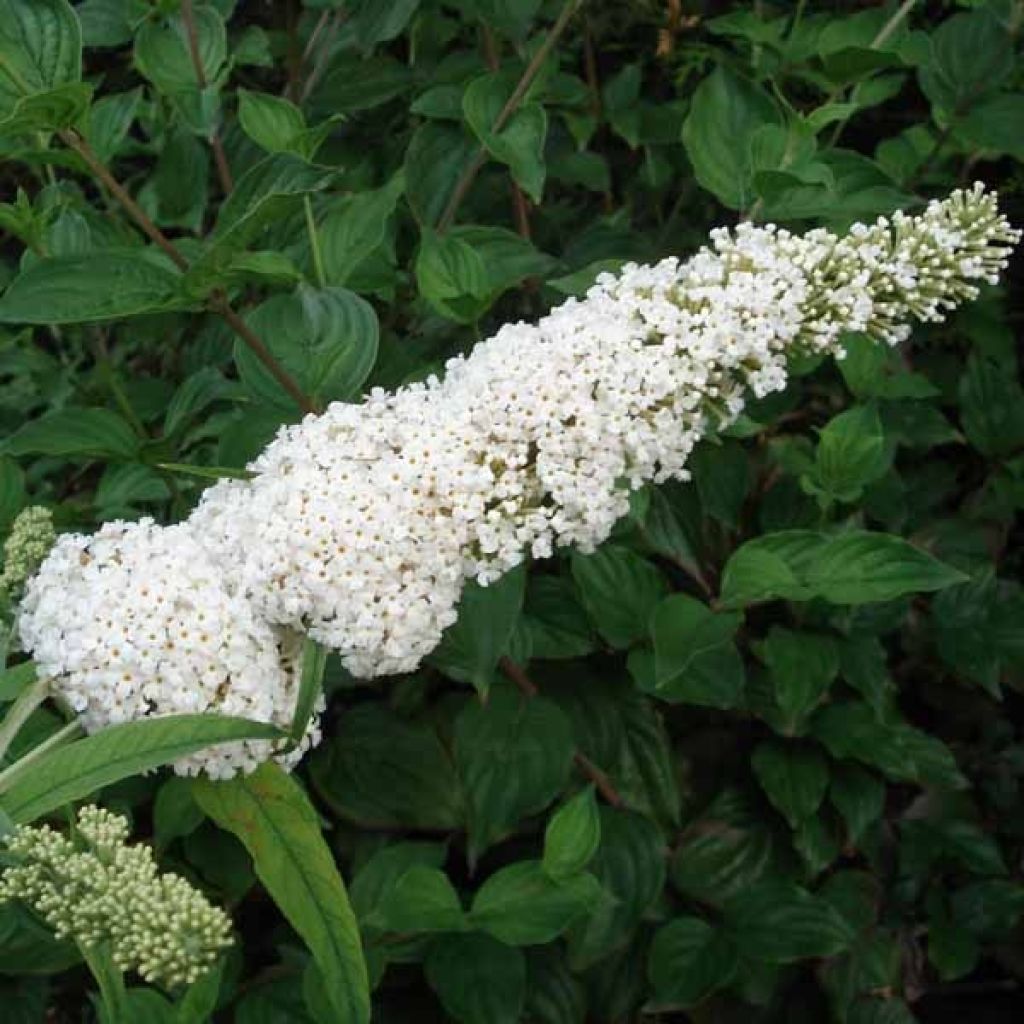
(472,169)
(529,689)
(220,158)
(520,209)
(218,303)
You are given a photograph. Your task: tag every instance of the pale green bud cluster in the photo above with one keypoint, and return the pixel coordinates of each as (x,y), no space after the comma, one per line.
(31,537)
(93,888)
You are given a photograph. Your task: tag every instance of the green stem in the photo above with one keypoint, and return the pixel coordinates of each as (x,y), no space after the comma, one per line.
(314,243)
(13,772)
(110,982)
(19,711)
(121,397)
(883,34)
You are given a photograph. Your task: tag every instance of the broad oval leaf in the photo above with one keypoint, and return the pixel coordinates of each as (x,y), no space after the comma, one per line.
(326,338)
(40,49)
(478,979)
(83,433)
(103,285)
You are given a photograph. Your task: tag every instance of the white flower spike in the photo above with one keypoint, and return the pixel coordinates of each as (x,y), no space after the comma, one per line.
(361,525)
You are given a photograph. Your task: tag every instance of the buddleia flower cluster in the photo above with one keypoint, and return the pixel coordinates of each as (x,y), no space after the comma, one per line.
(359,527)
(94,888)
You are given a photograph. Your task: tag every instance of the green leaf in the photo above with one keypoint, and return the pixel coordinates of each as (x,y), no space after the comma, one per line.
(196,393)
(273,817)
(520,142)
(109,121)
(619,590)
(689,960)
(266,192)
(794,777)
(853,567)
(47,111)
(723,852)
(859,797)
(479,980)
(437,156)
(80,769)
(991,407)
(554,994)
(378,877)
(630,865)
(471,648)
(91,287)
(311,684)
(851,729)
(175,812)
(572,836)
(851,454)
(13,497)
(521,905)
(994,125)
(803,666)
(163,56)
(554,620)
(725,113)
(422,899)
(81,433)
(780,923)
(695,658)
(381,771)
(722,475)
(15,679)
(354,226)
(378,23)
(513,755)
(451,276)
(971,54)
(28,948)
(40,50)
(273,123)
(325,338)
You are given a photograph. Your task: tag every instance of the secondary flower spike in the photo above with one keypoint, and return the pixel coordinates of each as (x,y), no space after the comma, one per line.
(95,888)
(360,526)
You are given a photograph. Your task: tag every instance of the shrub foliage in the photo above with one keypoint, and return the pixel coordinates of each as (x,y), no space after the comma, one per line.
(759,757)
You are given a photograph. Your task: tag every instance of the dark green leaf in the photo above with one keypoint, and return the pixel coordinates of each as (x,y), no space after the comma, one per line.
(325,338)
(382,771)
(513,755)
(619,590)
(781,923)
(802,666)
(695,658)
(794,777)
(520,141)
(97,286)
(478,979)
(471,648)
(82,433)
(689,960)
(630,865)
(572,836)
(725,113)
(522,905)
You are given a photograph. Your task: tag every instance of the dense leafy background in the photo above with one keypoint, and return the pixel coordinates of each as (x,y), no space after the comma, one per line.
(729,768)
